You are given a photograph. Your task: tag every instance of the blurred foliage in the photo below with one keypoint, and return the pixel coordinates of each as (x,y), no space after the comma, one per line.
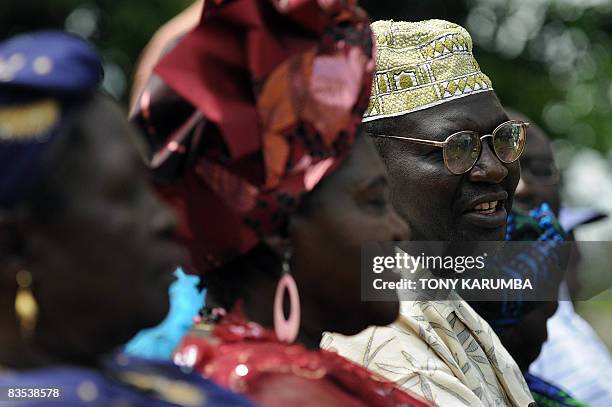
(551,59)
(119,28)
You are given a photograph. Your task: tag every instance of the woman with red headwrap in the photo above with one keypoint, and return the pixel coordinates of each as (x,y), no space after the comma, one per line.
(253,127)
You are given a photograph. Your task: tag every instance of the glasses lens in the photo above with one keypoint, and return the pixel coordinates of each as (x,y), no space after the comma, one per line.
(509,141)
(461,152)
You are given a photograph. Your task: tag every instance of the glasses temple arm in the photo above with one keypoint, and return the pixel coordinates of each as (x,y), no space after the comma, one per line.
(414,140)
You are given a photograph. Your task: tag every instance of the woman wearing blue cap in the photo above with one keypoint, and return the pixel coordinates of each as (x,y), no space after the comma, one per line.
(86,250)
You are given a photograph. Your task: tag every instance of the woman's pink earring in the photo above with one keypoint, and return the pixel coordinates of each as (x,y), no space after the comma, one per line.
(287,328)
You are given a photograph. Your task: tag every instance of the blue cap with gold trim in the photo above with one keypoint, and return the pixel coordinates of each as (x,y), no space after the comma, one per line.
(42,76)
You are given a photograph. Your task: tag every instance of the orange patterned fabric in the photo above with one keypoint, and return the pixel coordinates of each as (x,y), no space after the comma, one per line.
(278,88)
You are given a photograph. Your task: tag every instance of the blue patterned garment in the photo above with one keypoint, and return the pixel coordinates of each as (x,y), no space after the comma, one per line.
(186,300)
(549,395)
(538,225)
(126,381)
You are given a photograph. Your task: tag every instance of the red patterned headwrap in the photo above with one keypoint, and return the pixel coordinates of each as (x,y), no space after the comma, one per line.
(268,95)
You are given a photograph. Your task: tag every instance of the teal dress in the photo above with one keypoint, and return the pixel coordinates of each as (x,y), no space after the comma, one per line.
(158,343)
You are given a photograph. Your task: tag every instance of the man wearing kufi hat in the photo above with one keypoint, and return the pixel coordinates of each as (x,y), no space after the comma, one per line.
(452,156)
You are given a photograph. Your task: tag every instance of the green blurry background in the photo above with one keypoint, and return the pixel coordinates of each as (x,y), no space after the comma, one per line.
(551,59)
(119,28)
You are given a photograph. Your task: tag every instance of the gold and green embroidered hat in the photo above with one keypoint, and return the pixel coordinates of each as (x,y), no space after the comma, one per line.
(420,65)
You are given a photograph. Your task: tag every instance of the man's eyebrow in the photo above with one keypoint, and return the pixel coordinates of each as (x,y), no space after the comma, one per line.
(468,123)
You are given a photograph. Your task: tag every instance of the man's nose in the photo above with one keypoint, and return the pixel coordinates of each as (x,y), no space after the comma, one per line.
(489,168)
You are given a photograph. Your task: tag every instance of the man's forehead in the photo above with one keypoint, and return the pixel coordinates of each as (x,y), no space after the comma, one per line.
(480,113)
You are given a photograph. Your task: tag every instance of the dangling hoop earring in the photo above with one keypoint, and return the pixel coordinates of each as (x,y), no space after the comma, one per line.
(287,328)
(26,307)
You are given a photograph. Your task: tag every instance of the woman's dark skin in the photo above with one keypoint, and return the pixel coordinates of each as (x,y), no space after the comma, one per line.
(348,208)
(97,243)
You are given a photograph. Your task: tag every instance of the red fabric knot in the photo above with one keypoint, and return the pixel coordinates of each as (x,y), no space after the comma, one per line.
(269,94)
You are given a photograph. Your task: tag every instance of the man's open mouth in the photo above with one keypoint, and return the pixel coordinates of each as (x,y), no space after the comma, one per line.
(487,211)
(487,208)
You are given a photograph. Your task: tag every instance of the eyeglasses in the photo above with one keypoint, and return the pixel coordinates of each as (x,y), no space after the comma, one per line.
(462,150)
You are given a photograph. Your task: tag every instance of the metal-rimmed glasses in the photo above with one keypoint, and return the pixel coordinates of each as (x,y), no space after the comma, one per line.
(462,150)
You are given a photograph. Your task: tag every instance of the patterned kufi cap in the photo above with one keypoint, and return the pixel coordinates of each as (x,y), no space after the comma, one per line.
(420,65)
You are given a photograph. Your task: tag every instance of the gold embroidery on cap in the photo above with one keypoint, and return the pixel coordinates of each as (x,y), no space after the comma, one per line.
(422,64)
(28,122)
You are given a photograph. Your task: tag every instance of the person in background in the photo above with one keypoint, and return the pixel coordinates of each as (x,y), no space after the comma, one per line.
(86,249)
(540,183)
(521,325)
(573,357)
